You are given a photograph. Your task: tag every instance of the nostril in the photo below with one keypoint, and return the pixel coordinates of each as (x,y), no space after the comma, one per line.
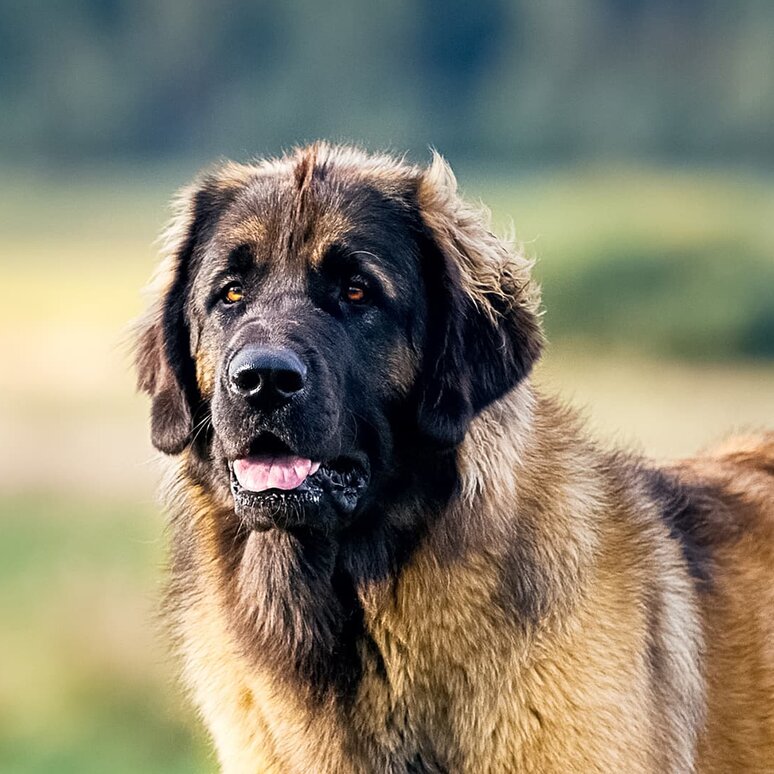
(287,381)
(248,380)
(266,372)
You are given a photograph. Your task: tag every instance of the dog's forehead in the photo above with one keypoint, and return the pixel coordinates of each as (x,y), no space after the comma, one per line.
(293,213)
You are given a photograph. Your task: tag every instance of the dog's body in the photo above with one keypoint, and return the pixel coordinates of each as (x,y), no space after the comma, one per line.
(467,583)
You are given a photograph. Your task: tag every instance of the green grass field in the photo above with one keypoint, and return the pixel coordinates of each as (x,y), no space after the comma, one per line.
(86,684)
(659,286)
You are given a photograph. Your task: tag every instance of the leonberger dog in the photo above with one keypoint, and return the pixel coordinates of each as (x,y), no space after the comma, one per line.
(390,552)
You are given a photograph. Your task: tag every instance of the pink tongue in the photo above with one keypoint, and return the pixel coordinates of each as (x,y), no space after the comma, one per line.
(257,474)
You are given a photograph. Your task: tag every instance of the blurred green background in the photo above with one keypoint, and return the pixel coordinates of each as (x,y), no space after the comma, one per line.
(629,142)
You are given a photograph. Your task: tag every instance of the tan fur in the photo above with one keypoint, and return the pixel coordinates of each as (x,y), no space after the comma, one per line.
(568,697)
(620,662)
(739,615)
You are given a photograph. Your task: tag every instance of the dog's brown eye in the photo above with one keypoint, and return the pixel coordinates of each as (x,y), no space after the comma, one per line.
(355,292)
(233,293)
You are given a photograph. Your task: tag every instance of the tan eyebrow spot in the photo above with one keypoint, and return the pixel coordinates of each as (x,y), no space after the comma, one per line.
(329,227)
(249,230)
(375,268)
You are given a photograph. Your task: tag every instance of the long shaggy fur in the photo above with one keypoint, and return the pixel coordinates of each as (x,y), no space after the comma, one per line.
(545,606)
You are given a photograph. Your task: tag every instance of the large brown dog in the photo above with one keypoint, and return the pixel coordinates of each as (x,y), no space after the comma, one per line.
(390,553)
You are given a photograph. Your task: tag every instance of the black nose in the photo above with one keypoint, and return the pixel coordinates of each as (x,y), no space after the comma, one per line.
(266,372)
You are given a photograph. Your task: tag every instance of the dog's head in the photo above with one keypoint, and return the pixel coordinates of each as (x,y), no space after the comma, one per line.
(325,322)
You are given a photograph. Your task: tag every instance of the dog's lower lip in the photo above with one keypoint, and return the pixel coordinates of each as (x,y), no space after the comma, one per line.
(342,480)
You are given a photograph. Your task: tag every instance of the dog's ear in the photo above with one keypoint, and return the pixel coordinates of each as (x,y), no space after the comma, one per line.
(483,333)
(162,337)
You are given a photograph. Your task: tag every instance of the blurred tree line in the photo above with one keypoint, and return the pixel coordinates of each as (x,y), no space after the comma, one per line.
(89,80)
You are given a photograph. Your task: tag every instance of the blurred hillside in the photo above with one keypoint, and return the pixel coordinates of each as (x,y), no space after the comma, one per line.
(496,81)
(661,261)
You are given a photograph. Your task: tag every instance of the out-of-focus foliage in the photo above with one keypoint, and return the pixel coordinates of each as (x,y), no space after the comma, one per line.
(497,80)
(661,261)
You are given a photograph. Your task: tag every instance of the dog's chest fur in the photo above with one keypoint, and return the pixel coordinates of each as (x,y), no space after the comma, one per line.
(449,668)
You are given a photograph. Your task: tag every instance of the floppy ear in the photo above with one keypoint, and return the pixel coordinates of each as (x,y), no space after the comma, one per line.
(171,408)
(162,349)
(483,333)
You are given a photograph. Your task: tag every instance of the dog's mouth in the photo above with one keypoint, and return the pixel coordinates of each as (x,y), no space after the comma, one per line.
(262,473)
(274,487)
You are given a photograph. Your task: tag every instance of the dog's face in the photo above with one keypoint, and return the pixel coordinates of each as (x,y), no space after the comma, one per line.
(329,321)
(308,317)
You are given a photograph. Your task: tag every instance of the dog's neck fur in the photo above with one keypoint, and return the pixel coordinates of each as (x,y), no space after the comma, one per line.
(319,621)
(298,600)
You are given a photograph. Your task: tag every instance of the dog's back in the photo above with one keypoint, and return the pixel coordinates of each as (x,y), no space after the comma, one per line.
(732,528)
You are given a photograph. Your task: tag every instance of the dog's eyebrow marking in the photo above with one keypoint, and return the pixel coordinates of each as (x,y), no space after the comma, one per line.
(249,229)
(375,268)
(332,226)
